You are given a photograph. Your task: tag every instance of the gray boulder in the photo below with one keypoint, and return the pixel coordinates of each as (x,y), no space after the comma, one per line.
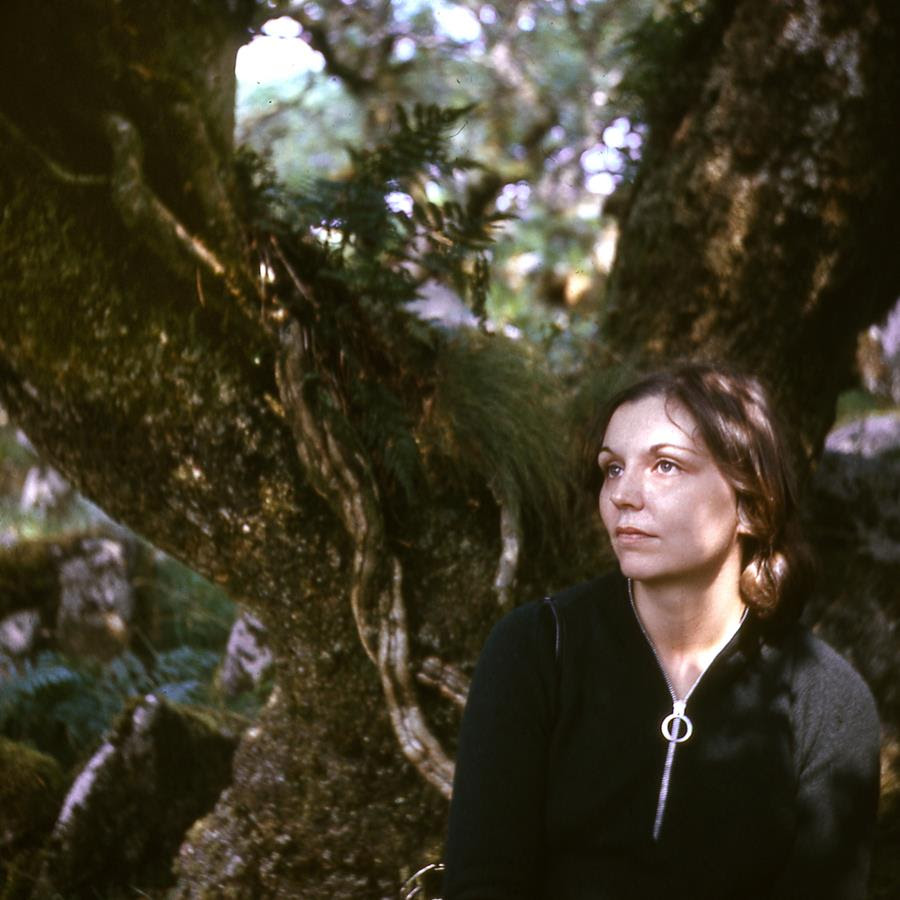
(96,600)
(160,768)
(247,658)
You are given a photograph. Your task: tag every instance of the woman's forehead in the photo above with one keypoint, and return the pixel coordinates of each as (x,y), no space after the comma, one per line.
(654,420)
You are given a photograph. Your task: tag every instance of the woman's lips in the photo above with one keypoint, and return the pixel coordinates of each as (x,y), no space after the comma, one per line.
(630,535)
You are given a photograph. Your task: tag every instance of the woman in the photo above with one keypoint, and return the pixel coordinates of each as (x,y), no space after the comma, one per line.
(669,730)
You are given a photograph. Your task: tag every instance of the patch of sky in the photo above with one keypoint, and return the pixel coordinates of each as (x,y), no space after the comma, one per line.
(615,135)
(404,49)
(399,202)
(278,54)
(487,14)
(457,22)
(556,134)
(526,22)
(602,183)
(602,158)
(514,196)
(434,192)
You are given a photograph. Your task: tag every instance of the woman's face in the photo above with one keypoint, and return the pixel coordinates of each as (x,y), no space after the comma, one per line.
(670,513)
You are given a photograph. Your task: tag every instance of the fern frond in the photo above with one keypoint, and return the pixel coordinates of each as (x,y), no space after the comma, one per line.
(183,664)
(190,691)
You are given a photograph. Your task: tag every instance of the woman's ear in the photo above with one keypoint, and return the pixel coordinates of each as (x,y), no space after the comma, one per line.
(744,528)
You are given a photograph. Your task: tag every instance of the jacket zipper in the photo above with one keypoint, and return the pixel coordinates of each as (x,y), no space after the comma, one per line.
(677,727)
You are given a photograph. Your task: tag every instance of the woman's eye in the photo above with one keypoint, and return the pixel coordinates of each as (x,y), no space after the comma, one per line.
(666,466)
(612,470)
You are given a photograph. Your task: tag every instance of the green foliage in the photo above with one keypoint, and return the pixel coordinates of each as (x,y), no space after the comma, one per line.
(184,607)
(496,413)
(490,415)
(31,789)
(381,251)
(858,403)
(544,77)
(386,427)
(63,705)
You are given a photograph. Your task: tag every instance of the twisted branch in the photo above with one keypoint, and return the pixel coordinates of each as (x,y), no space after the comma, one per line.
(510,545)
(344,480)
(334,477)
(55,169)
(143,212)
(446,679)
(141,209)
(417,742)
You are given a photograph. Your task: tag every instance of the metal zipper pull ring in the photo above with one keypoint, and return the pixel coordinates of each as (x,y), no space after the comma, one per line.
(676,718)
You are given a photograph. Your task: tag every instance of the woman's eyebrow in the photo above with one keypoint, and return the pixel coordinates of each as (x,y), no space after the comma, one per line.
(656,448)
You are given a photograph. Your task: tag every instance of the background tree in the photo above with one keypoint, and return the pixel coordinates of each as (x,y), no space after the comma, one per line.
(228,366)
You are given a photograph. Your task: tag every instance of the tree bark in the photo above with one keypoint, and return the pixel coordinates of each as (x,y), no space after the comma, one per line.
(762,225)
(136,354)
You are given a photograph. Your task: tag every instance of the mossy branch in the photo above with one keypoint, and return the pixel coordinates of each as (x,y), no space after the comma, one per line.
(144,213)
(53,167)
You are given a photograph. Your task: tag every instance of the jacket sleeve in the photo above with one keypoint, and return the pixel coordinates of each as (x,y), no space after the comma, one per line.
(837,744)
(495,838)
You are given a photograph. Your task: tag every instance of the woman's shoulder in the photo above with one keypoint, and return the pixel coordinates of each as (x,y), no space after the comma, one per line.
(538,623)
(827,688)
(819,667)
(591,597)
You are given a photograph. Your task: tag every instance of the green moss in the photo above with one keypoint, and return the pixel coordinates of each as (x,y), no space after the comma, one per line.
(496,418)
(856,403)
(31,790)
(30,786)
(28,576)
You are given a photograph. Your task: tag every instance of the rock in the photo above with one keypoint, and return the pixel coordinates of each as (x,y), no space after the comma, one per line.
(247,658)
(858,480)
(31,788)
(18,638)
(160,768)
(19,632)
(879,357)
(96,602)
(867,437)
(45,491)
(854,521)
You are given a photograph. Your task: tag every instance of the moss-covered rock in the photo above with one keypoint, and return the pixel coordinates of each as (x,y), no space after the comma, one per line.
(161,767)
(31,790)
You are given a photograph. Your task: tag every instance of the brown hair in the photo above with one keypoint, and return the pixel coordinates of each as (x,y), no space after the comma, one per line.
(739,426)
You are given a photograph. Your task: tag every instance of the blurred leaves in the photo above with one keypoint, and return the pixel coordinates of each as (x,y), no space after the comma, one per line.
(62,705)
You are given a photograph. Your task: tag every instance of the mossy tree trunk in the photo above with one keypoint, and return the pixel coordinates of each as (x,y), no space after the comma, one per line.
(136,352)
(762,227)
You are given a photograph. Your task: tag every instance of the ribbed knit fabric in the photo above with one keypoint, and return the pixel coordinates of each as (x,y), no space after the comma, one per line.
(560,763)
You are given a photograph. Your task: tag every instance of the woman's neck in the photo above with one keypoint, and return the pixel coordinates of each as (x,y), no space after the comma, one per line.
(689,623)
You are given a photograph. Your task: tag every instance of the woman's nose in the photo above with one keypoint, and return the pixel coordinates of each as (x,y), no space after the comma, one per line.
(627,490)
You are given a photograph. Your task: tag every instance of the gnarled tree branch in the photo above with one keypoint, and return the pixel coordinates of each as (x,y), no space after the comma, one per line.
(54,168)
(342,477)
(417,742)
(445,678)
(510,544)
(143,211)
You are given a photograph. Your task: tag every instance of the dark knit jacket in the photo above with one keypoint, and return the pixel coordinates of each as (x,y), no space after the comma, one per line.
(560,765)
